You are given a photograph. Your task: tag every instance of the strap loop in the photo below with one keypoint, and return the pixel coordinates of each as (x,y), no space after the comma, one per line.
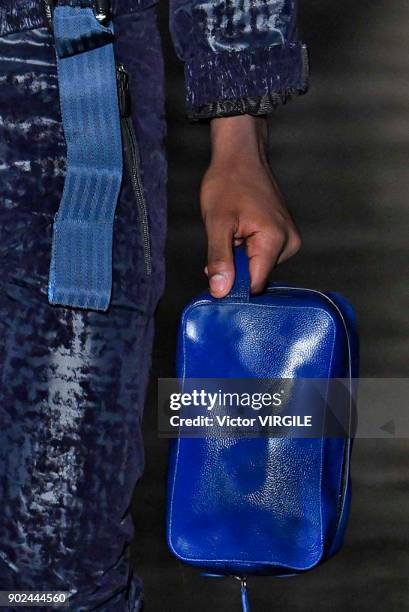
(102,10)
(241,286)
(81,261)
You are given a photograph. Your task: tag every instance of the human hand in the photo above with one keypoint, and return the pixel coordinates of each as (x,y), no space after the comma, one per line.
(241,202)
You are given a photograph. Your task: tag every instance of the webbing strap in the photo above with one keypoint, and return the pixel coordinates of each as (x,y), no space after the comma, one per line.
(81,259)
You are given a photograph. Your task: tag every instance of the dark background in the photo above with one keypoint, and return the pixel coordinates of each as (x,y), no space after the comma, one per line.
(341,156)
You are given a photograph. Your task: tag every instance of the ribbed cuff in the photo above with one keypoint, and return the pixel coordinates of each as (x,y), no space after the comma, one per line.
(252,81)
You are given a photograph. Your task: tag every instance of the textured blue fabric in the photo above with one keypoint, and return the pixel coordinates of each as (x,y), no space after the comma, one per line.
(72,381)
(81,264)
(240,56)
(276,72)
(20,15)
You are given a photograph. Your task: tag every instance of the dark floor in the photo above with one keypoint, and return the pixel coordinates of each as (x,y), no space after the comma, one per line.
(341,156)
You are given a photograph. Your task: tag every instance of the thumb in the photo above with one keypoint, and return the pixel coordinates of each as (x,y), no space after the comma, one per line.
(220,266)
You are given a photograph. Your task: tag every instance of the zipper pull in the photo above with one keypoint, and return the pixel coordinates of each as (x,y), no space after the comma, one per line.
(124,96)
(244,595)
(245,604)
(102,11)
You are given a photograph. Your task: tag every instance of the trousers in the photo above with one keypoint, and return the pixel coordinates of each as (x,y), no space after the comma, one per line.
(73,381)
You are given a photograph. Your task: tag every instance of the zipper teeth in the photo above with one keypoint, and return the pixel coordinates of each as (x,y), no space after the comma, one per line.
(131,155)
(48,6)
(305,65)
(347,446)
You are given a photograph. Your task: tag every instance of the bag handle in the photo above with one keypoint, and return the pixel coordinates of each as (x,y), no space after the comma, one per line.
(240,292)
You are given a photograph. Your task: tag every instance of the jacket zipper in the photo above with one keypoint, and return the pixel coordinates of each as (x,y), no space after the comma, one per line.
(49,6)
(131,153)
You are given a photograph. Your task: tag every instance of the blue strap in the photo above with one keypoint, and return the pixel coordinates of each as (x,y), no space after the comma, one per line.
(81,259)
(245,604)
(241,286)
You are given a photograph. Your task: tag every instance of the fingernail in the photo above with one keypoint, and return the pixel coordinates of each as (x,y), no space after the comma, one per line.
(206,271)
(218,282)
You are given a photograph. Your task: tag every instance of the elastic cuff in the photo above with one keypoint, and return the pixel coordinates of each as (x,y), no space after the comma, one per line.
(252,81)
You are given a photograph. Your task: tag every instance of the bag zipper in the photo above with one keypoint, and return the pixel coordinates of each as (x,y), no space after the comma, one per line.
(347,445)
(131,153)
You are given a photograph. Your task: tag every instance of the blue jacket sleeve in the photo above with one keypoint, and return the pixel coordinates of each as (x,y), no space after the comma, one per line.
(240,56)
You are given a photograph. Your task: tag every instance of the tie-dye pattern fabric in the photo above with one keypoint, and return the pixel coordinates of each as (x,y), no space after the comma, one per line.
(72,381)
(240,56)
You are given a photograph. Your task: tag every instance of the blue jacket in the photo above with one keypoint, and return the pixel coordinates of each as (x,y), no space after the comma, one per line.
(240,56)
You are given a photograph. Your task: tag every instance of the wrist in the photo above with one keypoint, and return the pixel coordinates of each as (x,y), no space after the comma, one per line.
(239,140)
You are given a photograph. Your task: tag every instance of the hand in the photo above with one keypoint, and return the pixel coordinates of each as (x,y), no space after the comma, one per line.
(241,201)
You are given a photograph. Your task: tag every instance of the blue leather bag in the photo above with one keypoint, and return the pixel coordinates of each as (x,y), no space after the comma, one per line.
(248,506)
